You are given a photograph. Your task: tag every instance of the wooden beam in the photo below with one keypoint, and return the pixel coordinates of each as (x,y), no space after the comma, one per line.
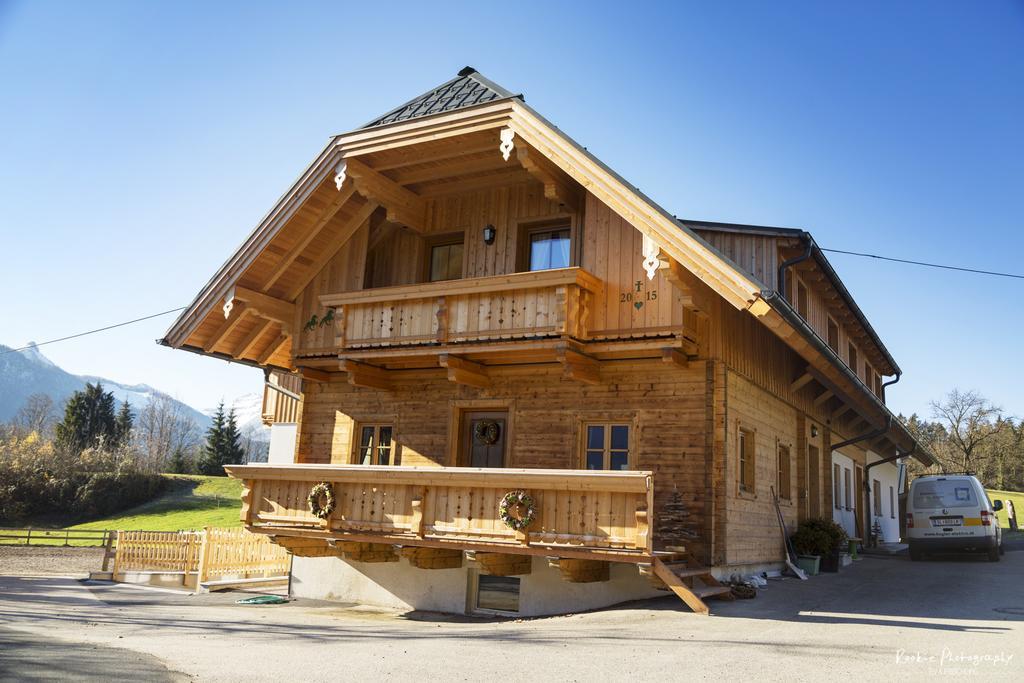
(368,376)
(238,314)
(557,186)
(343,236)
(686,283)
(674,357)
(843,409)
(822,397)
(245,347)
(460,167)
(300,246)
(403,205)
(266,306)
(800,382)
(462,371)
(315,375)
(273,348)
(579,367)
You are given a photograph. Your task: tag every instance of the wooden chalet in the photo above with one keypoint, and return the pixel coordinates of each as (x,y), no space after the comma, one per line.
(456,302)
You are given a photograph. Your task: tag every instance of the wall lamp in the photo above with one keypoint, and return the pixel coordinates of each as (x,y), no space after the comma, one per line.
(489,234)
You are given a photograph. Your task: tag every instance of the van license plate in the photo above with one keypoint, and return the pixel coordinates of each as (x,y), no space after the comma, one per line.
(947,521)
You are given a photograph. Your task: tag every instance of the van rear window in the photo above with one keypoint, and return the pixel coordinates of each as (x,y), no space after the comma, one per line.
(944,494)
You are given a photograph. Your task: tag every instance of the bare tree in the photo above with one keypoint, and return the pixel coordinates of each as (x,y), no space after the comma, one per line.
(969,420)
(38,414)
(161,429)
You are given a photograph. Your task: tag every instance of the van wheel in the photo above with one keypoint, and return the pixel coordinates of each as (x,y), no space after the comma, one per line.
(993,555)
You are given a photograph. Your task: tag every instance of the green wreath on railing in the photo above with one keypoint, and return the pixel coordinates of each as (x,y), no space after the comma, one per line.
(321,500)
(517,510)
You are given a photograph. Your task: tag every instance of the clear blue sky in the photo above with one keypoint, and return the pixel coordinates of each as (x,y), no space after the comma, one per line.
(141,142)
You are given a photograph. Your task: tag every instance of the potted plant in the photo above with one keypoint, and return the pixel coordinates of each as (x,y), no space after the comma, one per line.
(810,544)
(829,540)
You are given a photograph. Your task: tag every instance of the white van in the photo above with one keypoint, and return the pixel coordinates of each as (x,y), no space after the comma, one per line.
(952,513)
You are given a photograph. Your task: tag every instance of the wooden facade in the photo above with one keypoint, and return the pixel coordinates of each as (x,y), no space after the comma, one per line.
(641,344)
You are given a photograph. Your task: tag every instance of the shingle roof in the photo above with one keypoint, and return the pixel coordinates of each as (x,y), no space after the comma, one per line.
(468,88)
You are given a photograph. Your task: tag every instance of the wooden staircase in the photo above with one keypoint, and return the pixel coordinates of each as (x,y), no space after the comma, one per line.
(689,580)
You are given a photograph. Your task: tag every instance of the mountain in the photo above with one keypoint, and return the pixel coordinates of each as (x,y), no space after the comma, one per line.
(248,416)
(27,372)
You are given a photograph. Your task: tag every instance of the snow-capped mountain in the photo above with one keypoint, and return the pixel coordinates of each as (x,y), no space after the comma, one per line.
(248,416)
(27,372)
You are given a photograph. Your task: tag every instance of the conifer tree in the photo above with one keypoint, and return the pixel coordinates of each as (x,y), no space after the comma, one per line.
(89,420)
(123,424)
(223,446)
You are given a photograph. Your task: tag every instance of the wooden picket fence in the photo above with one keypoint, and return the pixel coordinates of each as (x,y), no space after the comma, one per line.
(209,554)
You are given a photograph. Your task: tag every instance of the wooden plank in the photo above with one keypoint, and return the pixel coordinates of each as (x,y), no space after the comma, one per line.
(403,206)
(462,371)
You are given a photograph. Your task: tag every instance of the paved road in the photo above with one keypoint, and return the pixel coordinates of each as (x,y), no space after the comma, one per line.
(878,620)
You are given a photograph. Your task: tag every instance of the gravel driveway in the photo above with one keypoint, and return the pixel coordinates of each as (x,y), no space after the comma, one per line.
(881,619)
(44,561)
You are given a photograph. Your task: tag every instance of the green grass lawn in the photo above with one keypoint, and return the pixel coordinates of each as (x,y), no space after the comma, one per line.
(1018,503)
(190,502)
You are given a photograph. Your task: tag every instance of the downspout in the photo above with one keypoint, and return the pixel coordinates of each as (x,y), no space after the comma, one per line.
(867,471)
(899,374)
(785,265)
(863,437)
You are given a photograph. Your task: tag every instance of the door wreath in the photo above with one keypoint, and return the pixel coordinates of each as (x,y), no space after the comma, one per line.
(486,432)
(517,510)
(321,500)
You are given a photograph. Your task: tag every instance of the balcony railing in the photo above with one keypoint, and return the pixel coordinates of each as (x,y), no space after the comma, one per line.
(548,303)
(601,514)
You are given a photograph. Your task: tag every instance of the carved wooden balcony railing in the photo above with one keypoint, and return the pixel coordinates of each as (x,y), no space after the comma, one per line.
(604,515)
(547,303)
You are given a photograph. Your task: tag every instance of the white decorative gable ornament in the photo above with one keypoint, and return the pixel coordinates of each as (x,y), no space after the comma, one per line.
(651,262)
(507,134)
(339,174)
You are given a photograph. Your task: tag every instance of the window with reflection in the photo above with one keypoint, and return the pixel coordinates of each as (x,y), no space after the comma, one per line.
(445,262)
(607,446)
(376,445)
(549,249)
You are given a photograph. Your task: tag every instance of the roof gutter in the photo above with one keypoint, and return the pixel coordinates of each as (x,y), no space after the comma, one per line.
(785,265)
(782,307)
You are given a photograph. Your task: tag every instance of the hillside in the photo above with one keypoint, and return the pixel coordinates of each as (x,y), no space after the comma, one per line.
(191,502)
(30,372)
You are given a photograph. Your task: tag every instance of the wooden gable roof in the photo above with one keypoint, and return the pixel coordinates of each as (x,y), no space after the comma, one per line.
(339,192)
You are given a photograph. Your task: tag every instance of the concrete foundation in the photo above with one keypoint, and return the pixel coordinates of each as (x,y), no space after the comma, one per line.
(398,585)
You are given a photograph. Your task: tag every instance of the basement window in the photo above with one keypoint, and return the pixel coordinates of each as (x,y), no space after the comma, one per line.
(497,593)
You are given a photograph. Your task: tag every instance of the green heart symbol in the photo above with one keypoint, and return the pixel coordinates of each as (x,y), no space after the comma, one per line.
(638,305)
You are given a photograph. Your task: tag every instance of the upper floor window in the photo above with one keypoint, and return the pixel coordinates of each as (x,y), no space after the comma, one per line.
(878,385)
(745,446)
(852,357)
(549,248)
(833,335)
(869,375)
(376,445)
(445,260)
(607,446)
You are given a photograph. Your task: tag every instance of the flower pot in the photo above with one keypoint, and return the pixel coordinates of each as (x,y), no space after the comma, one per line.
(809,563)
(830,562)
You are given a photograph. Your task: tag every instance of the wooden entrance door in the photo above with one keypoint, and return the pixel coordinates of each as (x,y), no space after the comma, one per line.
(484,439)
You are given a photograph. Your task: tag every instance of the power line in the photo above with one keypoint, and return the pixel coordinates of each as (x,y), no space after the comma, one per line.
(834,251)
(101,329)
(922,263)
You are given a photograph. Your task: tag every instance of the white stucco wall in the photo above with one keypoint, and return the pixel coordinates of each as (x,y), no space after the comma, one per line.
(841,515)
(887,475)
(398,585)
(282,443)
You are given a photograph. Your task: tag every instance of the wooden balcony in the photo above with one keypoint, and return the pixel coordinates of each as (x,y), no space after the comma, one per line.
(579,514)
(549,303)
